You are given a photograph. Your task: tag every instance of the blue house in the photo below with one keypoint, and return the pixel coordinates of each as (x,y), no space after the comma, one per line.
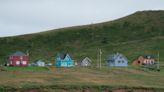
(117,60)
(64,60)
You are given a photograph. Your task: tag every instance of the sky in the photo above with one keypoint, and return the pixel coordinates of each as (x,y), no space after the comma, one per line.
(30,16)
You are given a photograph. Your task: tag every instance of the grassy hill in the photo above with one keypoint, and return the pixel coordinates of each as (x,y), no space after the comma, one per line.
(133,35)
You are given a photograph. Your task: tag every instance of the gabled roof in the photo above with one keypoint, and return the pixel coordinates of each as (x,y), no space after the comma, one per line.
(63,56)
(86,58)
(115,56)
(18,53)
(36,61)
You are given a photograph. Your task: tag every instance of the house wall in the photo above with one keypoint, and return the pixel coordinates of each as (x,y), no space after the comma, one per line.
(67,62)
(121,62)
(85,63)
(40,63)
(18,60)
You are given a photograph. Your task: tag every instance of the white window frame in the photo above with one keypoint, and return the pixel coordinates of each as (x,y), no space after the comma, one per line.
(17,62)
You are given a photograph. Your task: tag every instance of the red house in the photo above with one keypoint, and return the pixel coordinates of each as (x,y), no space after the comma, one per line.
(144,60)
(18,59)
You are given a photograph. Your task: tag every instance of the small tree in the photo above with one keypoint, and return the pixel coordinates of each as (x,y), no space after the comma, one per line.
(104,40)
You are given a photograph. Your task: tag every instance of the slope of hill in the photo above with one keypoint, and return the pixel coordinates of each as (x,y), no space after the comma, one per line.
(133,35)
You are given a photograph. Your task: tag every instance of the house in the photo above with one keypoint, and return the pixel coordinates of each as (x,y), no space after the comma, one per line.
(85,62)
(117,60)
(64,60)
(49,64)
(40,63)
(18,59)
(144,60)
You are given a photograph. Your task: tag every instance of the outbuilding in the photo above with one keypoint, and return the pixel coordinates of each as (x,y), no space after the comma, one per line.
(40,63)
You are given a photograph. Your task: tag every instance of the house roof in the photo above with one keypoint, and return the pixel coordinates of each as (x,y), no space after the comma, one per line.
(18,53)
(62,56)
(115,56)
(88,59)
(148,56)
(83,59)
(36,61)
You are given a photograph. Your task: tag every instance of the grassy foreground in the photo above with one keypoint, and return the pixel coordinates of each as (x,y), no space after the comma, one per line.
(80,78)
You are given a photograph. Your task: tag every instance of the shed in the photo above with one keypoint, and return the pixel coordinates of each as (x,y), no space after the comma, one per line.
(40,63)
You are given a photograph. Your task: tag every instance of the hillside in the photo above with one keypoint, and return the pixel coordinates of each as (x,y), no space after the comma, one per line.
(133,35)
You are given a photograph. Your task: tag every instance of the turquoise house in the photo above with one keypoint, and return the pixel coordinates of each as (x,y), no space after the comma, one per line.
(64,60)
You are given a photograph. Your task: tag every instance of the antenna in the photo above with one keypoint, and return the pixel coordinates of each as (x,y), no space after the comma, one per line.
(27,52)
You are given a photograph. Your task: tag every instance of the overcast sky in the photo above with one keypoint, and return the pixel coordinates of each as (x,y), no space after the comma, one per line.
(28,16)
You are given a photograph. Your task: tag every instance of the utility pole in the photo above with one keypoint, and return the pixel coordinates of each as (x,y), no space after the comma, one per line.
(97,60)
(158,54)
(158,61)
(100,57)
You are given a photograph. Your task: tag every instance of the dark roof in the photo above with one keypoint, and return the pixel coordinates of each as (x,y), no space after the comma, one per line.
(18,53)
(62,56)
(86,58)
(149,56)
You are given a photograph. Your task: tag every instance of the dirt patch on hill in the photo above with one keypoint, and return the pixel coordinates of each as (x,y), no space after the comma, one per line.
(133,90)
(85,90)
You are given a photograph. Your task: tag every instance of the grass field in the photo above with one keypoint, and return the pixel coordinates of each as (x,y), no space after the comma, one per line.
(129,77)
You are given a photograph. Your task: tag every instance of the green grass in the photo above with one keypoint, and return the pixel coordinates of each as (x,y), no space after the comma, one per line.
(79,78)
(26,68)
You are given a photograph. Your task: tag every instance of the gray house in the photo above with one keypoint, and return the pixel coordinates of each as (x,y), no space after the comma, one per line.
(85,62)
(117,60)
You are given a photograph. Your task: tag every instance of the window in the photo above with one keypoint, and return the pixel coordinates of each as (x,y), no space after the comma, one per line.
(119,61)
(11,62)
(24,62)
(122,61)
(17,62)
